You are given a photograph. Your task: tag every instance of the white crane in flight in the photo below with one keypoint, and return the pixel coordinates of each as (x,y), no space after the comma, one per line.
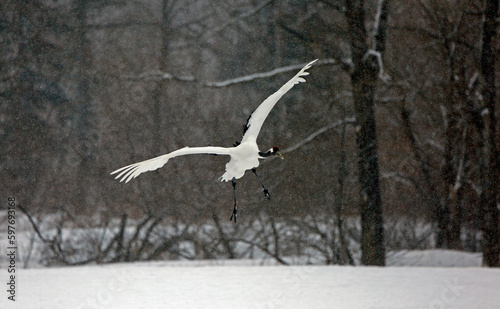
(244,155)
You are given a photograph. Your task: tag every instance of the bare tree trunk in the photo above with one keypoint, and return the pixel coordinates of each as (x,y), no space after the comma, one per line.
(448,209)
(158,102)
(162,66)
(344,254)
(363,78)
(429,187)
(83,108)
(490,194)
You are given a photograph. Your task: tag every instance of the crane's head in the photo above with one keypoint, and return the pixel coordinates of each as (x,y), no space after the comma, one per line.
(271,152)
(276,151)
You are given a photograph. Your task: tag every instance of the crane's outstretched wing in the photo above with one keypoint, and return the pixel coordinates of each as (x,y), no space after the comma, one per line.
(257,118)
(131,171)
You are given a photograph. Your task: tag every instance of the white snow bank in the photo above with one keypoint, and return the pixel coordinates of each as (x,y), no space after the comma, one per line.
(434,258)
(240,285)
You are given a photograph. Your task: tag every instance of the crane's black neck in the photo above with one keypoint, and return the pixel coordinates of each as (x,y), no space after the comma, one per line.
(266,154)
(270,152)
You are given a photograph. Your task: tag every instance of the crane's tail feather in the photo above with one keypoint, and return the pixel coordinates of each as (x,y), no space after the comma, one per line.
(226,177)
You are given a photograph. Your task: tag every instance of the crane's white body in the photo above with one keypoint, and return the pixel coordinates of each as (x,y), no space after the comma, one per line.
(244,156)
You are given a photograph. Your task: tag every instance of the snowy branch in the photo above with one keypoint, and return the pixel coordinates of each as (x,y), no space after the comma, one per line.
(348,120)
(400,178)
(159,75)
(247,78)
(381,73)
(379,37)
(312,136)
(376,23)
(380,26)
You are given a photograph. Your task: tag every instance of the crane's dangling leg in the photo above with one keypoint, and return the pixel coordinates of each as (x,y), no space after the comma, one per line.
(266,192)
(235,210)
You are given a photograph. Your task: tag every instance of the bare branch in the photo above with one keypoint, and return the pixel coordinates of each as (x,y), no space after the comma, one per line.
(335,6)
(348,120)
(237,18)
(311,137)
(265,249)
(54,243)
(34,224)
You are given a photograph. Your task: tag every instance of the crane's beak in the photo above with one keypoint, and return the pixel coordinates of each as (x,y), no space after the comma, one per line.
(280,155)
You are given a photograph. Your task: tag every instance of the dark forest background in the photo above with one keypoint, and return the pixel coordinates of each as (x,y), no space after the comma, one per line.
(396,125)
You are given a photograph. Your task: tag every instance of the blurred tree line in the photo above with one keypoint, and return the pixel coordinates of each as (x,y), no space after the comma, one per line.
(397,120)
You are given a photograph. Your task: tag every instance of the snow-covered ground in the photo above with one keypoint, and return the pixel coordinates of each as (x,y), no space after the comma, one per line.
(257,284)
(413,279)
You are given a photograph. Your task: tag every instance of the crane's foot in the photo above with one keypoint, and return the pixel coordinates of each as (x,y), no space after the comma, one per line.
(267,194)
(233,215)
(235,210)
